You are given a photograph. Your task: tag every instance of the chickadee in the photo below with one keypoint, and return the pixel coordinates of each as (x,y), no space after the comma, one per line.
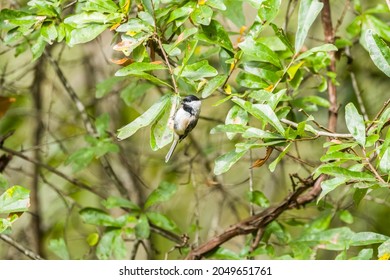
(184,120)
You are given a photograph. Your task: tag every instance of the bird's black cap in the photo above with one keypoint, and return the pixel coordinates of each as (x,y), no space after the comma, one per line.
(190,98)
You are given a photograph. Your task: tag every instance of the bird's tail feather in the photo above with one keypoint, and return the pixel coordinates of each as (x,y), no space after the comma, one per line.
(171,150)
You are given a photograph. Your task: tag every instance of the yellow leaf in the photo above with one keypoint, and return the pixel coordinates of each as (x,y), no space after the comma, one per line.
(131,33)
(228,89)
(385,257)
(202,2)
(269,88)
(115,26)
(126,7)
(293,70)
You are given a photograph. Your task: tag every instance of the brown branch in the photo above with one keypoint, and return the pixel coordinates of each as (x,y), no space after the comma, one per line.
(66,177)
(36,90)
(89,126)
(20,247)
(329,38)
(259,221)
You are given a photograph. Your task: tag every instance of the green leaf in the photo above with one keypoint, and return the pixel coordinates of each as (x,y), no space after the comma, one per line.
(331,239)
(196,71)
(38,47)
(384,163)
(269,9)
(81,158)
(162,221)
(137,67)
(234,12)
(213,85)
(250,81)
(272,166)
(322,48)
(145,119)
(379,51)
(214,33)
(279,32)
(217,4)
(345,173)
(49,32)
(161,134)
(358,195)
(229,128)
(225,162)
(355,124)
(142,228)
(365,254)
(224,254)
(257,51)
(339,156)
(86,33)
(110,244)
(58,247)
(107,6)
(202,15)
(182,12)
(367,238)
(253,132)
(98,217)
(15,199)
(308,11)
(262,112)
(258,198)
(114,202)
(236,115)
(346,216)
(163,193)
(330,185)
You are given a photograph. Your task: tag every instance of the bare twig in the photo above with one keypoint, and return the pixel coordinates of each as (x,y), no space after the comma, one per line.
(319,133)
(38,133)
(20,247)
(89,126)
(259,221)
(71,180)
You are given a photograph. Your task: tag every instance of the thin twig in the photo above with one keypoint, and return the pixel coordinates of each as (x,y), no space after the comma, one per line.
(71,180)
(20,247)
(342,16)
(356,89)
(379,114)
(319,133)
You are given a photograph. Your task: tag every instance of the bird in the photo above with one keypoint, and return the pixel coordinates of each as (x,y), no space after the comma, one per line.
(184,121)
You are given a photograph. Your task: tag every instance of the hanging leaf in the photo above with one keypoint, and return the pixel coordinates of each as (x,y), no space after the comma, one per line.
(15,199)
(163,193)
(308,11)
(355,124)
(259,52)
(145,119)
(226,161)
(379,51)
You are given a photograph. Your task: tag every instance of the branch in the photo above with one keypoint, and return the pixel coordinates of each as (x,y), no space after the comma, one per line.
(319,133)
(258,222)
(71,180)
(89,126)
(20,247)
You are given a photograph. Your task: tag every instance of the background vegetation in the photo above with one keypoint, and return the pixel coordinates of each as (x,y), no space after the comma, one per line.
(290,158)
